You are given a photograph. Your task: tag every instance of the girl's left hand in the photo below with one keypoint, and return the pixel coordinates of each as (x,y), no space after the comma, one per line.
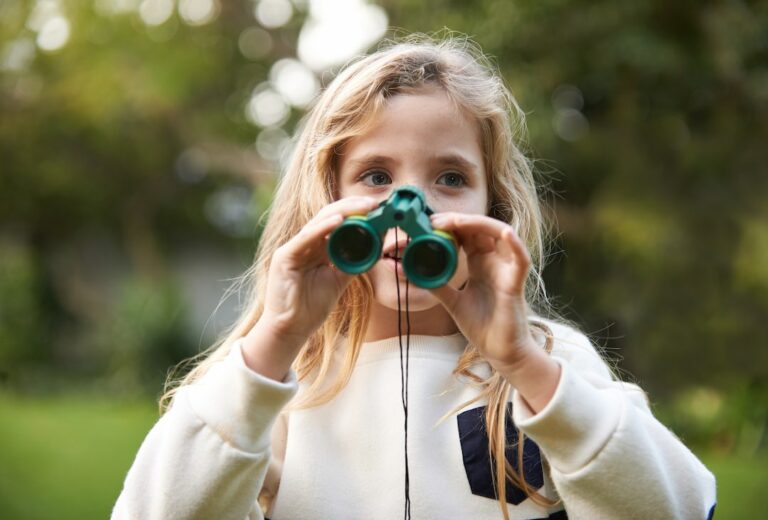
(490,310)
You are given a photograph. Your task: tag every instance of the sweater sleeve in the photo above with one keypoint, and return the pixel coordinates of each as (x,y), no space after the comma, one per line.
(207,457)
(609,456)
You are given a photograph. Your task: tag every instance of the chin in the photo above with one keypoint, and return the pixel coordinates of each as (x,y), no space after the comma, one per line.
(418,299)
(385,293)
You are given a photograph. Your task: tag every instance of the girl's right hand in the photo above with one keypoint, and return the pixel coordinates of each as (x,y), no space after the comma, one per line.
(303,286)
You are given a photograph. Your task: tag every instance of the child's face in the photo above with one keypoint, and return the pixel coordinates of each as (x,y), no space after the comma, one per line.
(420,139)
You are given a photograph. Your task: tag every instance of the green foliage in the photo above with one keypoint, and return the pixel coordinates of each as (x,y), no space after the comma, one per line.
(113,150)
(22,324)
(144,335)
(650,121)
(90,134)
(722,423)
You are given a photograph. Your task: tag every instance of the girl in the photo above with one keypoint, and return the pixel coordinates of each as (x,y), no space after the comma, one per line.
(501,413)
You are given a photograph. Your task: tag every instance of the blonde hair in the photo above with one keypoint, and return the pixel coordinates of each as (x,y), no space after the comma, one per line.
(344,110)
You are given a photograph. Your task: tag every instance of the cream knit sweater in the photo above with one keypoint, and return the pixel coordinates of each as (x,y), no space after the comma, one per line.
(224,444)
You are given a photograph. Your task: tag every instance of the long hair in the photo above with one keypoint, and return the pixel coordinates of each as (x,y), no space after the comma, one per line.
(344,110)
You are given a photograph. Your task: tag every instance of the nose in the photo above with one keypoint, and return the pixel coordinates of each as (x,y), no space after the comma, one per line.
(404,205)
(431,195)
(426,188)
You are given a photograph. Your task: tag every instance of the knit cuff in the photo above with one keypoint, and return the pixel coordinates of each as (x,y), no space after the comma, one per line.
(240,404)
(576,423)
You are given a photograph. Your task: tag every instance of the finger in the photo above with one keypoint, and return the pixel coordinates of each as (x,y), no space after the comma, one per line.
(478,244)
(478,232)
(467,224)
(522,256)
(310,241)
(357,205)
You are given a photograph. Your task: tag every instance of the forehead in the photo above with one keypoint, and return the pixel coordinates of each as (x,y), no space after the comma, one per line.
(425,122)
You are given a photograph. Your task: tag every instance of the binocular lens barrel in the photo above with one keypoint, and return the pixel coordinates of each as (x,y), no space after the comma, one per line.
(430,258)
(354,246)
(430,261)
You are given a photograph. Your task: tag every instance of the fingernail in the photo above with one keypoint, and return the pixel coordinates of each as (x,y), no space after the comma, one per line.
(439,221)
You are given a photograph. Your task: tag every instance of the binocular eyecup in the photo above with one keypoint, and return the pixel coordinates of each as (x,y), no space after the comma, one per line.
(429,260)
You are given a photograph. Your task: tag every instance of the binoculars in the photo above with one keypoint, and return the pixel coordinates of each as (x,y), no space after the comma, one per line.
(430,258)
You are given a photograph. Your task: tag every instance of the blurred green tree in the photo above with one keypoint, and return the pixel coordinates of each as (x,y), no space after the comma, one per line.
(123,132)
(649,122)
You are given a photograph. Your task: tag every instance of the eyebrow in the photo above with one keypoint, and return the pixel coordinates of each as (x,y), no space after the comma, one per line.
(450,159)
(458,161)
(372,160)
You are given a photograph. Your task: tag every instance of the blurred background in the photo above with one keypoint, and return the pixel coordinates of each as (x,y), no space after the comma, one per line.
(140,141)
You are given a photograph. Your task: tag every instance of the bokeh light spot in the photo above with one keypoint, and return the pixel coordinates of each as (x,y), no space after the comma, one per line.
(192,165)
(266,107)
(43,11)
(198,12)
(567,96)
(17,55)
(336,30)
(570,124)
(254,43)
(113,7)
(156,12)
(54,34)
(272,144)
(230,210)
(273,13)
(297,84)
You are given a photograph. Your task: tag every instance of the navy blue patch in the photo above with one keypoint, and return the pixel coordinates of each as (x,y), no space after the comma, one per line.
(557,515)
(477,462)
(711,514)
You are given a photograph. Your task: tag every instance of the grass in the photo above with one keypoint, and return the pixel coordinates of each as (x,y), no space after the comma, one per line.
(741,484)
(66,458)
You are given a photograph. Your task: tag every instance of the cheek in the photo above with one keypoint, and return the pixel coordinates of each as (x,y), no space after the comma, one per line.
(470,202)
(346,190)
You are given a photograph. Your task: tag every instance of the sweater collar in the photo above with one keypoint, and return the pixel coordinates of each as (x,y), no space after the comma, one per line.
(449,347)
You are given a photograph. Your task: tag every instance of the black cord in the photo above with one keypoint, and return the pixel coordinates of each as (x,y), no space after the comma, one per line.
(404,374)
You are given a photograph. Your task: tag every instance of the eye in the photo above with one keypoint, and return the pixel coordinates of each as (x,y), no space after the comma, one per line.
(454,179)
(377,177)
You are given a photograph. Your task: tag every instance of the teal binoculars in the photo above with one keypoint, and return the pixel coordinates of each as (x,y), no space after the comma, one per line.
(429,260)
